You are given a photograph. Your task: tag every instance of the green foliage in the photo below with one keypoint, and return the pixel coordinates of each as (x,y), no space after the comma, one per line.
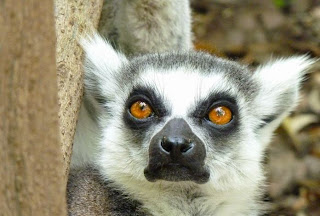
(282,3)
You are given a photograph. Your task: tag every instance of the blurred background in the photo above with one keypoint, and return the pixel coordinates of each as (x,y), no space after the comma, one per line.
(252,32)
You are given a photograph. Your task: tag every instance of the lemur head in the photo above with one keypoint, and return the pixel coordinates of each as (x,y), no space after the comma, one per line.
(186,117)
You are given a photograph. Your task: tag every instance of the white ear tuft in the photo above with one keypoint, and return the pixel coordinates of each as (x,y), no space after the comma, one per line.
(102,66)
(101,55)
(283,71)
(279,82)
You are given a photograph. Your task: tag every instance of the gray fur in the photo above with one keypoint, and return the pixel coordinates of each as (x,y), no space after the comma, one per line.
(88,194)
(144,26)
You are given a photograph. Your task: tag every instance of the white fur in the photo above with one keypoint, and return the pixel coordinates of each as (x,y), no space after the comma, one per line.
(276,78)
(102,60)
(101,54)
(235,184)
(192,87)
(227,192)
(86,140)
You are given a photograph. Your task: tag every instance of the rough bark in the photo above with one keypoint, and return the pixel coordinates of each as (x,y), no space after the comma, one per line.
(31,181)
(73,20)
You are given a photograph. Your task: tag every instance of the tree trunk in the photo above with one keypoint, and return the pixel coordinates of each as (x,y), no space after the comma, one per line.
(31,173)
(74,19)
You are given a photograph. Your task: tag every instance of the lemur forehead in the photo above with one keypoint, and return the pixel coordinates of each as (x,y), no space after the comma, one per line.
(183,88)
(202,64)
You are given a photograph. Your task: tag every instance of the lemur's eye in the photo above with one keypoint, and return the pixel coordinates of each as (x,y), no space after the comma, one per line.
(220,115)
(140,110)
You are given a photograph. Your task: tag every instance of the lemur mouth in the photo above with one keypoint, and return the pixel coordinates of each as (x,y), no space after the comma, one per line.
(176,172)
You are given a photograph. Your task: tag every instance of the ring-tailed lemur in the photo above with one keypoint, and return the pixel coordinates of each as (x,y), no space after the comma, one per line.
(176,133)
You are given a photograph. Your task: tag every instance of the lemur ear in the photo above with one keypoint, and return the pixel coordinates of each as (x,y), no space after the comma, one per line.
(279,83)
(101,65)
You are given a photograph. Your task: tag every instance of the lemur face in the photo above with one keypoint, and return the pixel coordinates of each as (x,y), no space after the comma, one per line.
(188,110)
(186,117)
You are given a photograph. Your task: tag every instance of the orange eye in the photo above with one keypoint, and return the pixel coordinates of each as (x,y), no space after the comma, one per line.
(140,110)
(220,115)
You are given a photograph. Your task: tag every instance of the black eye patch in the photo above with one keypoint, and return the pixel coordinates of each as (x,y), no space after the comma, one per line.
(148,95)
(200,114)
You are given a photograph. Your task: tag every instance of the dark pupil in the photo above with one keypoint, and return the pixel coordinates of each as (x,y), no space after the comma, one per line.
(220,112)
(143,106)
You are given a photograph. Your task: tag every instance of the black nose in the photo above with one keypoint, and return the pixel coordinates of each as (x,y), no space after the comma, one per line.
(177,154)
(176,146)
